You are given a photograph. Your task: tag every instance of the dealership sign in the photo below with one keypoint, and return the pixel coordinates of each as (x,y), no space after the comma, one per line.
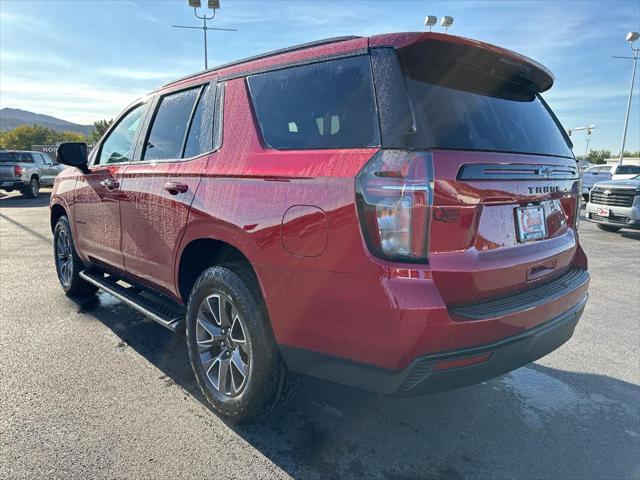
(52,149)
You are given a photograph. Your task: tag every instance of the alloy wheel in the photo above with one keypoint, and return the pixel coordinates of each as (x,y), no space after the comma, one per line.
(223,346)
(64,257)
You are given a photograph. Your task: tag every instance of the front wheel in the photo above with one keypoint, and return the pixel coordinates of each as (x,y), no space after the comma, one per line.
(231,346)
(608,228)
(68,263)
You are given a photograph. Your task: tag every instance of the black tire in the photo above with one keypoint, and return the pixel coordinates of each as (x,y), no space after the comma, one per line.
(33,189)
(69,265)
(265,387)
(608,228)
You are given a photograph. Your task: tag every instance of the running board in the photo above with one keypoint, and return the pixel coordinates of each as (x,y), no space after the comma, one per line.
(165,316)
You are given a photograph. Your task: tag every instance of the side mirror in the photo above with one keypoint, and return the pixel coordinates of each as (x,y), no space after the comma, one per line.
(73,154)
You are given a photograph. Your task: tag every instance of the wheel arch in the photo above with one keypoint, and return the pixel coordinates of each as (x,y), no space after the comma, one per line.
(202,253)
(57,211)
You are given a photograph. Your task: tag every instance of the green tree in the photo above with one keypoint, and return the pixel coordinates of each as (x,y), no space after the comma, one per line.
(99,128)
(24,136)
(598,156)
(70,137)
(630,154)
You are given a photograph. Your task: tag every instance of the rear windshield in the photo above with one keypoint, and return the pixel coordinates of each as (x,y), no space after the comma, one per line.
(454,109)
(323,105)
(15,157)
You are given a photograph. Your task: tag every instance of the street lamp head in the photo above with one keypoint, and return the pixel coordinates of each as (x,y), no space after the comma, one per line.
(446,21)
(430,20)
(195,3)
(632,36)
(213,4)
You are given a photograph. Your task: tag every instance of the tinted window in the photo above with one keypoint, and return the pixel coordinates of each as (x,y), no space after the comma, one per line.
(15,157)
(627,169)
(170,125)
(324,105)
(448,111)
(118,146)
(200,138)
(462,120)
(46,158)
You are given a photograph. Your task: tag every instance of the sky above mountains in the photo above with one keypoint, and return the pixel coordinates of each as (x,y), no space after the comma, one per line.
(86,60)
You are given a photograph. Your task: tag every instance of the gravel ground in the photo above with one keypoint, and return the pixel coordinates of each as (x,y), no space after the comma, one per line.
(94,390)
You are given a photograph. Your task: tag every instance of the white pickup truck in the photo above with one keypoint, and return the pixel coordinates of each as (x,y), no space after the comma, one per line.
(600,173)
(27,171)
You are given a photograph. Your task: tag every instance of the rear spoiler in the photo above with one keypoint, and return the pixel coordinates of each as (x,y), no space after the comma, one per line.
(458,62)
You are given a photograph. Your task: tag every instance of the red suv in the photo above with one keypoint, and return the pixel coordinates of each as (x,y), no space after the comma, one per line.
(396,213)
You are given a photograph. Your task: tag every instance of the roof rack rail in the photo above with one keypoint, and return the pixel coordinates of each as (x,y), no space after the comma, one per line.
(272,53)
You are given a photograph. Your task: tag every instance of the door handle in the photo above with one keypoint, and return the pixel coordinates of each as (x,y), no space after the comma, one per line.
(110,183)
(174,188)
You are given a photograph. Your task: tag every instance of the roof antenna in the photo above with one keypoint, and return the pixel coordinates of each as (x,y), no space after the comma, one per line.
(430,21)
(446,23)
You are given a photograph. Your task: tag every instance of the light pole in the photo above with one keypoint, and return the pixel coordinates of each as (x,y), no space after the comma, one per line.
(631,37)
(588,129)
(212,5)
(586,148)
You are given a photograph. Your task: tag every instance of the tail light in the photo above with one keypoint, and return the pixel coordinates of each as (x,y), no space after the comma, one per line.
(393,193)
(17,170)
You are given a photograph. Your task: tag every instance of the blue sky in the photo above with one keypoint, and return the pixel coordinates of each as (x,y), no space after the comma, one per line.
(85,60)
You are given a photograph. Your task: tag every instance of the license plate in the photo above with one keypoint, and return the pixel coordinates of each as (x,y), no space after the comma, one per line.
(531,223)
(603,212)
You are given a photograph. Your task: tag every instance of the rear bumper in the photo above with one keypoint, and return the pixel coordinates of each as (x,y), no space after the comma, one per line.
(13,184)
(426,374)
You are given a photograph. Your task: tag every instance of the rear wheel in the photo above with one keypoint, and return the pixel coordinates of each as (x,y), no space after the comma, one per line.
(33,189)
(68,263)
(231,346)
(608,228)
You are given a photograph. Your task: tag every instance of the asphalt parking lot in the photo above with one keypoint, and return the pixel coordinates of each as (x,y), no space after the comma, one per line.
(94,390)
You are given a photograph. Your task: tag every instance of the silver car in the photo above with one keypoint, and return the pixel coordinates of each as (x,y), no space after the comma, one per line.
(615,204)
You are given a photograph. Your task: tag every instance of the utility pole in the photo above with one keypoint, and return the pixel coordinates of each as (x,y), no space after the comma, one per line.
(212,5)
(631,37)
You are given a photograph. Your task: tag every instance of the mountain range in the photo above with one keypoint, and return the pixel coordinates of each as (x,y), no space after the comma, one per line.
(11,118)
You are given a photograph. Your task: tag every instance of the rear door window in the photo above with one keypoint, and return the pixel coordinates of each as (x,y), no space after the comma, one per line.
(200,136)
(169,127)
(324,105)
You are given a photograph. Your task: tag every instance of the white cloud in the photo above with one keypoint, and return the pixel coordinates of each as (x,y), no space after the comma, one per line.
(77,102)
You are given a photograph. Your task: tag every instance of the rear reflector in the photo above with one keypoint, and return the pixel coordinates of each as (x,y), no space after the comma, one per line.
(463,362)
